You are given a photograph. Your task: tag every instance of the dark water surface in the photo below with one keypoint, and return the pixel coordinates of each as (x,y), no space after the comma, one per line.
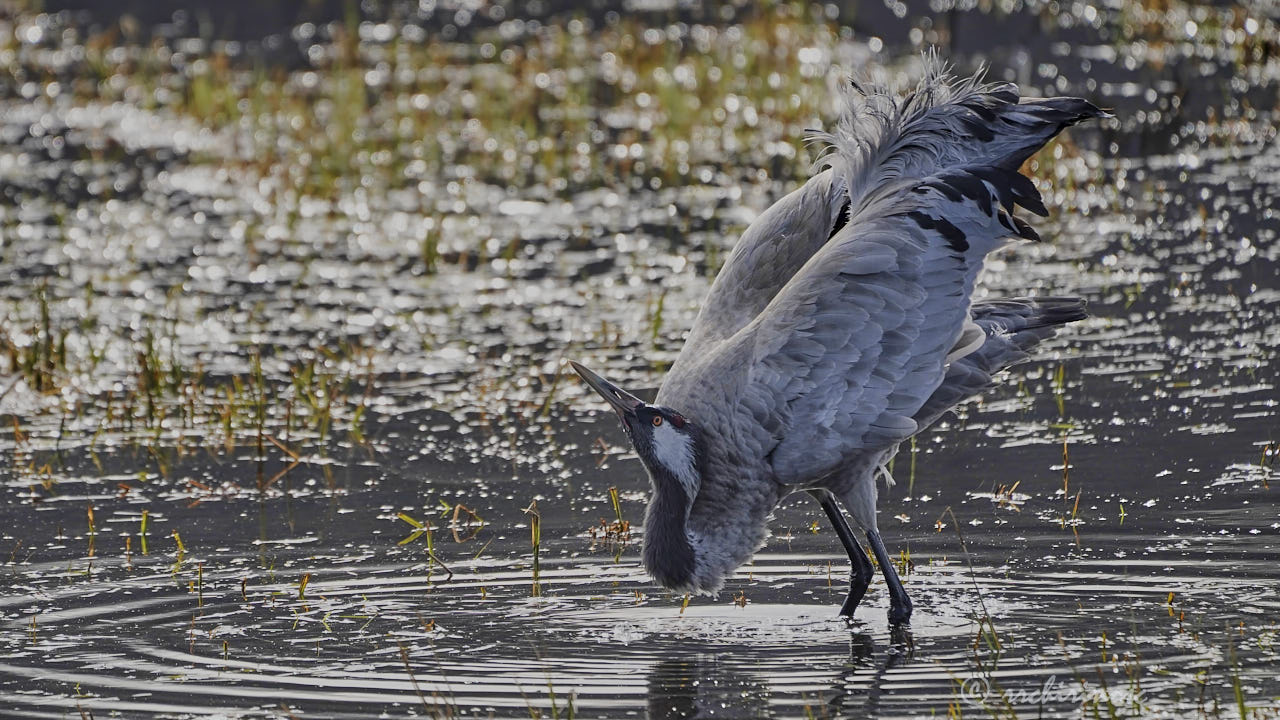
(284,383)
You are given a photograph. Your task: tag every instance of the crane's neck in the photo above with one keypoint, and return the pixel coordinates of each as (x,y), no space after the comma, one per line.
(668,555)
(675,469)
(696,533)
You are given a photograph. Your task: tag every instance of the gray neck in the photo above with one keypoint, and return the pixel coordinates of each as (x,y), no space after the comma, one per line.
(668,556)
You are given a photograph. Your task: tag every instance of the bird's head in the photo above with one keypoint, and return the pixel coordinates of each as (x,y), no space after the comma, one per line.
(665,440)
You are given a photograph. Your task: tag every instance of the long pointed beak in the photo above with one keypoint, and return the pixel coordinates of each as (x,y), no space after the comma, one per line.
(623,402)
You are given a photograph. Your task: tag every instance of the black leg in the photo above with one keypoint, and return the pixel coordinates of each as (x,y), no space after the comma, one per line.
(899,603)
(862,571)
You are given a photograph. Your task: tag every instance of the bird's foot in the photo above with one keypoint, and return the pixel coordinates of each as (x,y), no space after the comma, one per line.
(899,611)
(851,603)
(858,585)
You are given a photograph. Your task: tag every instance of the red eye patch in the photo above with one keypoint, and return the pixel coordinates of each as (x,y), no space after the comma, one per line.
(677,420)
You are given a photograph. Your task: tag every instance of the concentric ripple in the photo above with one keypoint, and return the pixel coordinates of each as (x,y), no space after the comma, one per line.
(243,643)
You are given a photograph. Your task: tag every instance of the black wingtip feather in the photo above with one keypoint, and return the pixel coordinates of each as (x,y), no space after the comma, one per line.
(954,236)
(1005,94)
(1026,194)
(978,129)
(1055,114)
(977,107)
(1000,182)
(968,185)
(1031,313)
(1011,189)
(1068,109)
(1059,310)
(1025,231)
(842,219)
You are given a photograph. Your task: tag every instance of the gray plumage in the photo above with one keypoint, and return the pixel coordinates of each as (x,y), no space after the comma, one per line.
(841,324)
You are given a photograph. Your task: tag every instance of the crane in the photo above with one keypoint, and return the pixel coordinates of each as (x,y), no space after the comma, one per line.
(842,324)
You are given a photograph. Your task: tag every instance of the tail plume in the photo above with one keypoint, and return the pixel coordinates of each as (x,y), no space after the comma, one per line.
(1013,326)
(944,122)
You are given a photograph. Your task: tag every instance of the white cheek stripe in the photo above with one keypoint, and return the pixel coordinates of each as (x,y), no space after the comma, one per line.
(674,450)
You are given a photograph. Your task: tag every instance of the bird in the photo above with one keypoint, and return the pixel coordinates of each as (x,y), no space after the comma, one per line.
(843,323)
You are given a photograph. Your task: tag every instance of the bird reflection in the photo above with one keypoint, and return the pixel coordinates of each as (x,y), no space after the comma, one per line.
(858,691)
(723,685)
(703,686)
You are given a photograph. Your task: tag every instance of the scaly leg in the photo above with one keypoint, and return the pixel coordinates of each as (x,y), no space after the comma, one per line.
(899,603)
(861,571)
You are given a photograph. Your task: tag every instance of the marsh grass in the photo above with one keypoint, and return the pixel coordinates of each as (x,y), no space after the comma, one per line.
(615,535)
(556,106)
(179,555)
(535,540)
(464,523)
(93,532)
(142,530)
(167,405)
(534,108)
(41,352)
(555,710)
(424,530)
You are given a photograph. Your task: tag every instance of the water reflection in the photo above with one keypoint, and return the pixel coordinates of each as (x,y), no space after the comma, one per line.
(718,683)
(704,686)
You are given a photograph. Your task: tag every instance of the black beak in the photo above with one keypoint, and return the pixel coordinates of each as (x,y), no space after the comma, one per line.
(623,402)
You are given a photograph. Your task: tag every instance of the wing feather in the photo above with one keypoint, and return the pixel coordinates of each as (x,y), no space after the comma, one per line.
(879,141)
(841,322)
(1009,328)
(846,354)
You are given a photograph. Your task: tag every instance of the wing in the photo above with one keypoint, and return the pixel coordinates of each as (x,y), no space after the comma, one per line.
(770,251)
(849,351)
(877,142)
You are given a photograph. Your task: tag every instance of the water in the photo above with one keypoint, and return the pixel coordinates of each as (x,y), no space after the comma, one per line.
(286,365)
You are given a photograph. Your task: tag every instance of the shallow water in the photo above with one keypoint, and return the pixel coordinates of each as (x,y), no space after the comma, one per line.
(1096,536)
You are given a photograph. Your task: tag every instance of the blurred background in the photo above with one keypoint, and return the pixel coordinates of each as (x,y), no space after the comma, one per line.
(290,286)
(427,188)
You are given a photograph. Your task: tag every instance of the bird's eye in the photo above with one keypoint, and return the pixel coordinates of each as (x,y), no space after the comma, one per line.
(657,420)
(677,420)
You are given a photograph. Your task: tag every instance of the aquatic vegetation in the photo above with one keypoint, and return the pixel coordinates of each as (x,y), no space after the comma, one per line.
(535,541)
